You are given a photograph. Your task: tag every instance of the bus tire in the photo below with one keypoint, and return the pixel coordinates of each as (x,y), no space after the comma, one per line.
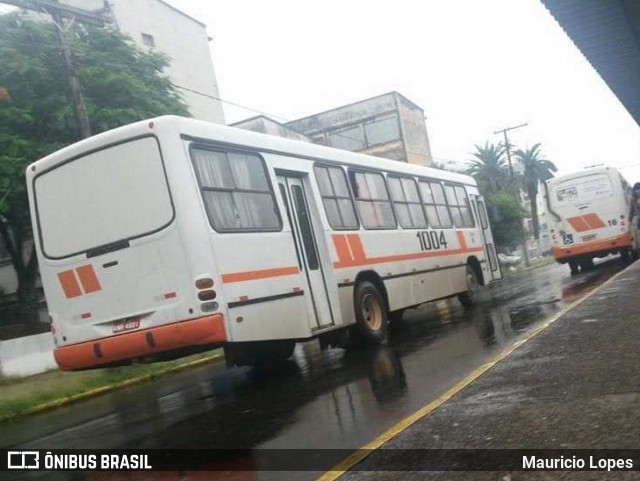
(468,298)
(575,267)
(371,313)
(586,264)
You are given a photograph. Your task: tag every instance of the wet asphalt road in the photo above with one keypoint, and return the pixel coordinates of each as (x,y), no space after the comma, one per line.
(330,399)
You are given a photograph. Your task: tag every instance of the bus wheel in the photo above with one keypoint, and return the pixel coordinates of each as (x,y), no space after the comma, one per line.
(574,266)
(468,298)
(586,264)
(371,313)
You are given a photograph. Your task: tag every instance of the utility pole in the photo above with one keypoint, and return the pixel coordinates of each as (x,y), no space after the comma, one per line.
(58,13)
(507,146)
(77,99)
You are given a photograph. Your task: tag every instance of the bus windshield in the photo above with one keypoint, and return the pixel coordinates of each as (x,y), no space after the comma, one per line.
(115,194)
(582,189)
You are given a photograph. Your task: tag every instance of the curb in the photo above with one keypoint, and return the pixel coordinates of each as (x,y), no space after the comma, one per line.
(57,403)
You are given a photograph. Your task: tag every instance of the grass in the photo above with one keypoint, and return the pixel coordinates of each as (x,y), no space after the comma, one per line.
(20,396)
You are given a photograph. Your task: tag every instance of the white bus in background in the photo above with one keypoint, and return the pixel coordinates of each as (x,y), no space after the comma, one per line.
(172,235)
(590,210)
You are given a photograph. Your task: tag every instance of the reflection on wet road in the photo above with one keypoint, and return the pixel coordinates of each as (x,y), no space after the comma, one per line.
(330,399)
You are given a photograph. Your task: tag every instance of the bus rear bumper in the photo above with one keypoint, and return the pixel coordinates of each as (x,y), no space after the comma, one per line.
(603,246)
(203,331)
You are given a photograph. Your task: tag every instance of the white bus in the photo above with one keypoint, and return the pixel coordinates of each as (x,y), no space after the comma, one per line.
(590,210)
(171,235)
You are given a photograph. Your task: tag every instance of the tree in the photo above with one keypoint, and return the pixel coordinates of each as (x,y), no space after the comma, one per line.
(489,167)
(535,170)
(505,217)
(121,84)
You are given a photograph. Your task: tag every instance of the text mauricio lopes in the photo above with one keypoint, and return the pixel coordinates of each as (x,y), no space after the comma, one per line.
(574,462)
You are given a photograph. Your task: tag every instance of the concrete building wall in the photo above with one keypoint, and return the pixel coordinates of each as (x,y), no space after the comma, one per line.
(269,126)
(414,128)
(387,126)
(157,25)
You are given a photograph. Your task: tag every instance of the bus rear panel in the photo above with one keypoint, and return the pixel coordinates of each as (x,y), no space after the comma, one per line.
(590,210)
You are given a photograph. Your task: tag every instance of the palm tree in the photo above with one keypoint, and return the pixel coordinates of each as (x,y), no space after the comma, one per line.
(489,167)
(536,169)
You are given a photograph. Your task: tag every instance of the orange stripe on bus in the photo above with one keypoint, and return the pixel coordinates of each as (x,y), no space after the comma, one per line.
(69,284)
(578,223)
(342,248)
(88,278)
(407,257)
(461,240)
(593,221)
(261,274)
(201,331)
(356,247)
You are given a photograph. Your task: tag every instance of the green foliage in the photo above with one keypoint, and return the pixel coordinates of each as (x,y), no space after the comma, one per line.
(536,170)
(121,84)
(489,167)
(505,217)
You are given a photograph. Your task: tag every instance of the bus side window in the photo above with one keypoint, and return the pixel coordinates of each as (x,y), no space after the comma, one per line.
(435,204)
(406,201)
(459,206)
(372,200)
(235,190)
(336,199)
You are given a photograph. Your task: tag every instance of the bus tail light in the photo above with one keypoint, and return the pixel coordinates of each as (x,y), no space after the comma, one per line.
(204,283)
(206,295)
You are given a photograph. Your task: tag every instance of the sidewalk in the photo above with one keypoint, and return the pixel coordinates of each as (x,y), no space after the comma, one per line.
(574,385)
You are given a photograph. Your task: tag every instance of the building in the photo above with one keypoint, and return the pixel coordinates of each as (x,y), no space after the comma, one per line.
(265,125)
(156,25)
(388,125)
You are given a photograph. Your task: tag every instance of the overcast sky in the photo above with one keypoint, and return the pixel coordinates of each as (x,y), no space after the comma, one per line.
(473,66)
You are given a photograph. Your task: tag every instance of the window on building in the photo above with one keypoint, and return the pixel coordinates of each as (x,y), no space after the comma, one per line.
(372,200)
(148,40)
(351,138)
(404,193)
(382,130)
(235,190)
(435,204)
(459,206)
(336,198)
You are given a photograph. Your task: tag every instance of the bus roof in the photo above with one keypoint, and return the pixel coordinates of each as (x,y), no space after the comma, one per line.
(582,173)
(197,129)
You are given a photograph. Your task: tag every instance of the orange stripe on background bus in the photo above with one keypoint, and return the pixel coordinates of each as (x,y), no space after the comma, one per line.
(69,284)
(261,274)
(578,223)
(593,221)
(363,260)
(88,279)
(623,240)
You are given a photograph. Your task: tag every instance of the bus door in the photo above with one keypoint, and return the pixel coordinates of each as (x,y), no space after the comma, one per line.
(310,257)
(489,247)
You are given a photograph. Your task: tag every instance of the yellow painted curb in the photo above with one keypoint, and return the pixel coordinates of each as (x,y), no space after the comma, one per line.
(357,456)
(112,387)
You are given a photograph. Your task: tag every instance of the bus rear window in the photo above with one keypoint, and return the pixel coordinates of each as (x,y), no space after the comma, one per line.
(583,189)
(115,194)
